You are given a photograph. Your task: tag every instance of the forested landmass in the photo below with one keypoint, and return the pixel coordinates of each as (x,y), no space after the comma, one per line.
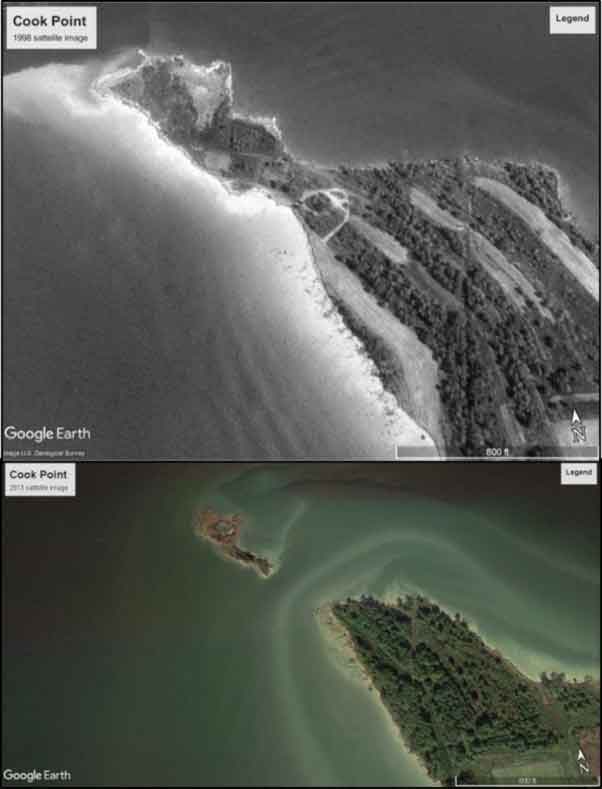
(579,700)
(164,95)
(539,185)
(469,386)
(491,352)
(319,214)
(515,335)
(459,705)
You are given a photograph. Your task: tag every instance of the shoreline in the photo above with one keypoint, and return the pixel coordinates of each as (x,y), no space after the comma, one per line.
(439,451)
(394,418)
(102,88)
(342,651)
(284,181)
(391,600)
(222,532)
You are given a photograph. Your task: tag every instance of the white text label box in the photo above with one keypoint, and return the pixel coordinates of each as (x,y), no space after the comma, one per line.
(51,27)
(39,479)
(578,473)
(573,20)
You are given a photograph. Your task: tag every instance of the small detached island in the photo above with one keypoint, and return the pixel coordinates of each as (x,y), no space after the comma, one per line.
(464,710)
(223,531)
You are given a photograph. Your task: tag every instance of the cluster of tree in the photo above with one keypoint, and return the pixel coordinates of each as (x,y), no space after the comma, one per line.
(453,699)
(251,137)
(580,700)
(322,216)
(523,359)
(575,312)
(168,101)
(466,384)
(318,202)
(539,185)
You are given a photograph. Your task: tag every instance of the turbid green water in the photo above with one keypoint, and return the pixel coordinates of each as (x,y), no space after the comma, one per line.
(156,662)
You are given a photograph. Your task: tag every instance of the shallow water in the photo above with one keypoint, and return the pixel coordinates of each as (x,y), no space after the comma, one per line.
(154,661)
(170,316)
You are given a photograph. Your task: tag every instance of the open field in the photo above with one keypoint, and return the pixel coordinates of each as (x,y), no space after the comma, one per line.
(381,240)
(575,261)
(512,281)
(542,769)
(417,384)
(428,206)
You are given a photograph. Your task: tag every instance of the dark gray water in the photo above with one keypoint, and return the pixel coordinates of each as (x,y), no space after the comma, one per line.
(135,655)
(171,317)
(371,81)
